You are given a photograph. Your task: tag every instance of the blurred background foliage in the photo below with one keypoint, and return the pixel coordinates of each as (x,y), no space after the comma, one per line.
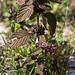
(65,31)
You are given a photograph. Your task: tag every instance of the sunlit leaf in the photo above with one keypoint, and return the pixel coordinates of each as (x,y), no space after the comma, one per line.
(51,21)
(24,13)
(20,2)
(20,42)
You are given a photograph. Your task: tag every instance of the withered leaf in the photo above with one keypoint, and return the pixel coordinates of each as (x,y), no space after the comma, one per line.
(51,21)
(20,42)
(24,13)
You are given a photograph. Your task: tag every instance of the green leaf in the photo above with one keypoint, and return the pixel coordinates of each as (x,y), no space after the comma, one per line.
(50,18)
(36,51)
(38,71)
(27,61)
(58,51)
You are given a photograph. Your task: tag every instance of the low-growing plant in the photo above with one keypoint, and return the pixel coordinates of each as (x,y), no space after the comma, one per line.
(37,50)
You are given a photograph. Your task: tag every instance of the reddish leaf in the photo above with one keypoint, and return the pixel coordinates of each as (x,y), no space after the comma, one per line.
(18,34)
(24,13)
(26,2)
(20,42)
(20,2)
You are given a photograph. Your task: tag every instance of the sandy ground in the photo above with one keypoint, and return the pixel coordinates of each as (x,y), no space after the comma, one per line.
(3,30)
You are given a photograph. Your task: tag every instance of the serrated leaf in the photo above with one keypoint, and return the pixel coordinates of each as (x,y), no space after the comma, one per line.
(20,2)
(26,2)
(51,21)
(20,42)
(24,13)
(18,34)
(58,51)
(29,2)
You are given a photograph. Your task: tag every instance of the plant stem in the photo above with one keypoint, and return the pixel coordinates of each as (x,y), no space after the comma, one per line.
(38,26)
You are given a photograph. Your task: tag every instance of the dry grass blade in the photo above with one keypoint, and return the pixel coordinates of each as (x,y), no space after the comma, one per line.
(20,42)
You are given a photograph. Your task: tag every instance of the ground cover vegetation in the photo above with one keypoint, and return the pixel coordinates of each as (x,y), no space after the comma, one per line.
(36,43)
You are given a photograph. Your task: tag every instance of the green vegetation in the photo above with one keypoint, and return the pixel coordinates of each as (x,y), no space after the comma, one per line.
(41,36)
